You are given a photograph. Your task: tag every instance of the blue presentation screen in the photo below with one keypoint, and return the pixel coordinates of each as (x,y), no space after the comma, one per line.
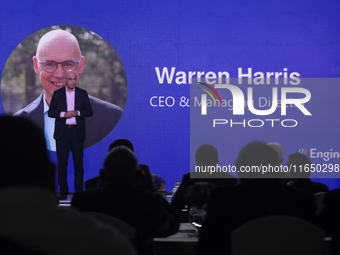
(148,57)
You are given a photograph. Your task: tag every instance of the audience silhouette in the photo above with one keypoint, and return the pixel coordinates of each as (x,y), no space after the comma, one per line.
(279,150)
(95,181)
(206,155)
(256,196)
(30,217)
(300,179)
(143,210)
(32,223)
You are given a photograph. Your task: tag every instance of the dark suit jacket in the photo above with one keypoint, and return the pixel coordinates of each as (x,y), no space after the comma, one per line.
(58,105)
(105,117)
(230,207)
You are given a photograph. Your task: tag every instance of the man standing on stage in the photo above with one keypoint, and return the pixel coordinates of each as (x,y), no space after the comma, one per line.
(70,105)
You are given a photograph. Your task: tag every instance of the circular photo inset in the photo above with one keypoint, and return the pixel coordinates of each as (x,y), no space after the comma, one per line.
(36,68)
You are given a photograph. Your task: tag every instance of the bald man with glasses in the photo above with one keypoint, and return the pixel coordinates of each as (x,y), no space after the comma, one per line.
(58,51)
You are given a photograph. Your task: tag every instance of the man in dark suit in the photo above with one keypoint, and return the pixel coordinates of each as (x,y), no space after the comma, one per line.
(70,106)
(256,196)
(105,118)
(60,45)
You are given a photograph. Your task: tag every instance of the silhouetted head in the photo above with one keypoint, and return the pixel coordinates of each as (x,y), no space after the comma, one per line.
(279,150)
(299,161)
(158,182)
(120,168)
(254,156)
(206,155)
(121,142)
(23,155)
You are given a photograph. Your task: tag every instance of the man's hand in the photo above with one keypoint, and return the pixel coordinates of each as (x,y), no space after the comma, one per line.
(71,114)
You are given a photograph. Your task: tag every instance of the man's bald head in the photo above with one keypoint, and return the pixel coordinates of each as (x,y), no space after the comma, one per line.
(59,46)
(60,40)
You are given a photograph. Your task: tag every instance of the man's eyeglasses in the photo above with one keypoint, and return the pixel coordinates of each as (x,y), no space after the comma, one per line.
(50,66)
